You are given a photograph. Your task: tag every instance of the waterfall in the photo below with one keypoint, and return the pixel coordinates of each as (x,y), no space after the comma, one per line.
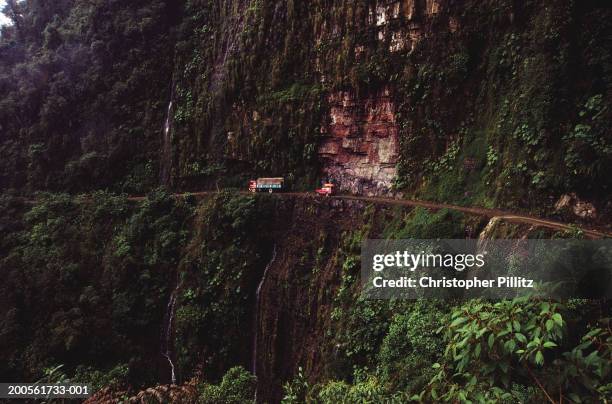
(167,344)
(256,316)
(166,150)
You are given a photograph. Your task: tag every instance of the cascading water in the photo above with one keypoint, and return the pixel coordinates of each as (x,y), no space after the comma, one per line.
(166,150)
(167,344)
(256,316)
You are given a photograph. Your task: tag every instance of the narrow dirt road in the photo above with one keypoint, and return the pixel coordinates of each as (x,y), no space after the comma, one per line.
(489,213)
(477,211)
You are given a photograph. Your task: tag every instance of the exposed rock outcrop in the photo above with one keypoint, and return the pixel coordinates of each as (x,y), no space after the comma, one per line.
(360,149)
(570,203)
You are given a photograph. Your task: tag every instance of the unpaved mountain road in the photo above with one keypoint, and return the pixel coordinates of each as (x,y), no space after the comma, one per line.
(489,213)
(505,216)
(477,211)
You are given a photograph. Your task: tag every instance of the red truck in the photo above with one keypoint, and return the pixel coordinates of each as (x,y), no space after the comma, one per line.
(326,190)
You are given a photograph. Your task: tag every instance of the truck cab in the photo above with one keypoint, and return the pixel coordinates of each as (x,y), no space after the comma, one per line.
(326,190)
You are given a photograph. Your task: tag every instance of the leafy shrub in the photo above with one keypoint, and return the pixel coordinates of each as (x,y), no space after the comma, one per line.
(588,146)
(236,387)
(490,346)
(411,346)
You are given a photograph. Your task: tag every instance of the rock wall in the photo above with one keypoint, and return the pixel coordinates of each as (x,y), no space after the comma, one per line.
(449,76)
(296,298)
(359,150)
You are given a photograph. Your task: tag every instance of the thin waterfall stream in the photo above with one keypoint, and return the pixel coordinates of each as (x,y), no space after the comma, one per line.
(167,350)
(256,316)
(166,149)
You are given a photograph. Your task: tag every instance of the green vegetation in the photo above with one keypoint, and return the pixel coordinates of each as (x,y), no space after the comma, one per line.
(530,102)
(493,346)
(84,93)
(521,350)
(498,103)
(236,387)
(116,263)
(85,279)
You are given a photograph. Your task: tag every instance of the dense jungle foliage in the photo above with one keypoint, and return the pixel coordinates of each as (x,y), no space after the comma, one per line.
(84,88)
(98,271)
(87,88)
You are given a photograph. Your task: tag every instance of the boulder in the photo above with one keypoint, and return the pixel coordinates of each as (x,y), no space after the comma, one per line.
(570,203)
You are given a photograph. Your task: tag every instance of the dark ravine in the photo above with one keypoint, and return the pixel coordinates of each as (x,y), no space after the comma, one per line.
(295,302)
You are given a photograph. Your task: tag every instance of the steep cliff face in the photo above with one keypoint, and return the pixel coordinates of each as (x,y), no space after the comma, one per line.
(200,273)
(401,96)
(359,148)
(298,292)
(478,102)
(305,273)
(382,96)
